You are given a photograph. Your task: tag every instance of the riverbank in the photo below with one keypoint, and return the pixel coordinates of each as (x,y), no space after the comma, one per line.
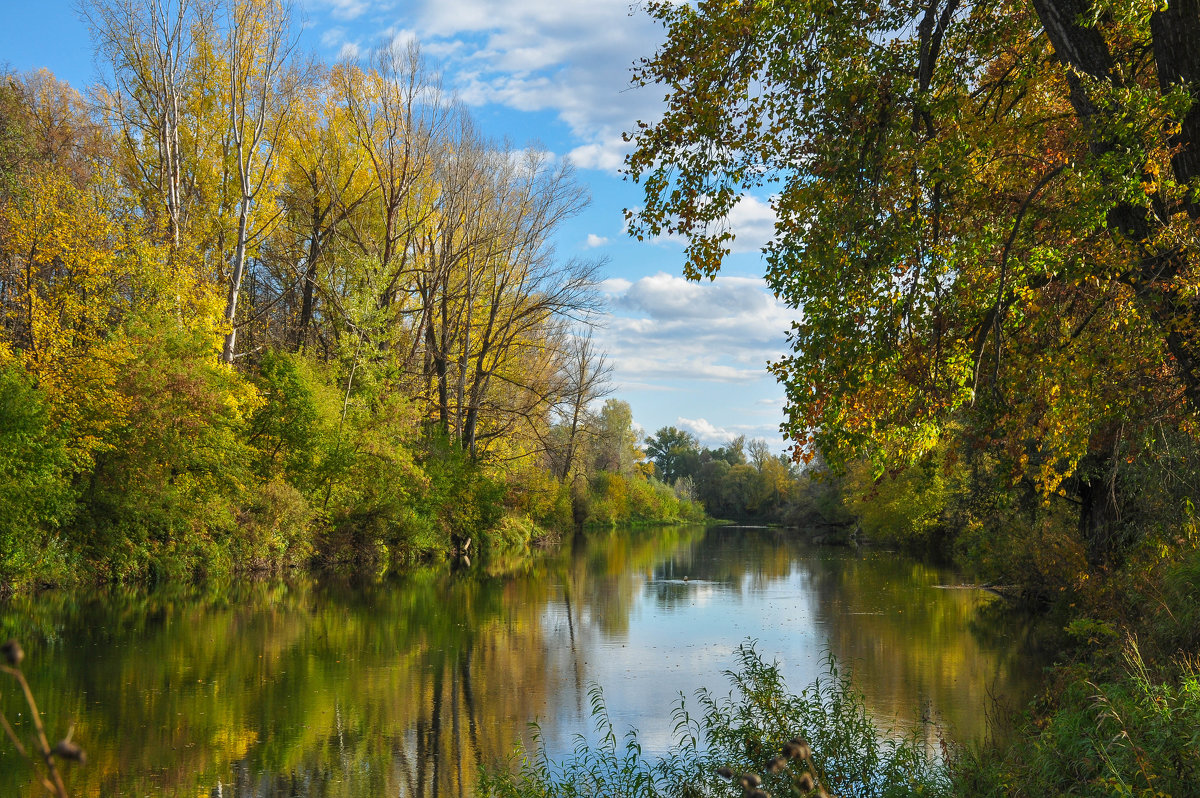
(379,684)
(1119,607)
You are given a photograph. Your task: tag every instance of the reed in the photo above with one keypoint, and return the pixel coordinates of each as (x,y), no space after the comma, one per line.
(41,755)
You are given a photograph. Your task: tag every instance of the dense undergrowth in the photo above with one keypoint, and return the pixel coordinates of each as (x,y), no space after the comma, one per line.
(1119,710)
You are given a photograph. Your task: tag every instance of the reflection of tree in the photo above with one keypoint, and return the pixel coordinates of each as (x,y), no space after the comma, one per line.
(398,688)
(324,689)
(405,686)
(731,558)
(886,617)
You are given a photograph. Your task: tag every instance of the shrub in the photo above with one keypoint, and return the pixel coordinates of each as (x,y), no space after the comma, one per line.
(754,730)
(275,529)
(1134,735)
(36,495)
(173,467)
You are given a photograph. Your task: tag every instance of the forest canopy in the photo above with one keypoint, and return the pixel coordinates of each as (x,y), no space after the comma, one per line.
(257,311)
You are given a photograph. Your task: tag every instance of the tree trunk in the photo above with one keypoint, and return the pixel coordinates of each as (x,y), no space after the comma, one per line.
(235,282)
(1099,514)
(310,282)
(1082,50)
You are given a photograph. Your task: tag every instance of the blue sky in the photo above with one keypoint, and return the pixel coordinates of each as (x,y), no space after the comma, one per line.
(554,74)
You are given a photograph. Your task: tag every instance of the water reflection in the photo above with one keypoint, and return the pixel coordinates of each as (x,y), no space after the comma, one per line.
(405,686)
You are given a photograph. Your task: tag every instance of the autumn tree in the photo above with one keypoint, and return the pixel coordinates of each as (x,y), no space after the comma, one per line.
(327,182)
(148,48)
(397,117)
(615,439)
(985,212)
(260,82)
(587,375)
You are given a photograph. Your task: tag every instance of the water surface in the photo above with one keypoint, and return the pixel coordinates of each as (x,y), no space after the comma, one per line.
(404,686)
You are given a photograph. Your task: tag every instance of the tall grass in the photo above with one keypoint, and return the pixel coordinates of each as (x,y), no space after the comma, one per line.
(760,739)
(1137,734)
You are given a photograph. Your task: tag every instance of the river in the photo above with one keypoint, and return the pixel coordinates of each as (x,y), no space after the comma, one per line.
(404,685)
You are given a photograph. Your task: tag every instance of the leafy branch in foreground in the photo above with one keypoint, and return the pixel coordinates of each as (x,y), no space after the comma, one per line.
(758,741)
(12,654)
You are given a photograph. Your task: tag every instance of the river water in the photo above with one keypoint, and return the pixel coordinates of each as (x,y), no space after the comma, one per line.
(404,686)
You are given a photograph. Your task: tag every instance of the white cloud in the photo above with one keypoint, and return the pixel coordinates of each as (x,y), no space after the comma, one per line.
(706,431)
(594,240)
(344,9)
(614,285)
(753,224)
(333,37)
(569,57)
(348,52)
(712,435)
(665,328)
(606,155)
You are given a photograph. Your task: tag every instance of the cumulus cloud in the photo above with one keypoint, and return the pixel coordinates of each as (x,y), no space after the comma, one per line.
(571,58)
(712,435)
(703,429)
(753,223)
(594,240)
(614,286)
(606,154)
(663,327)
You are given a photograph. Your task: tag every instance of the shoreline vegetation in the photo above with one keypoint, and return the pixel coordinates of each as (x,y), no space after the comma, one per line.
(259,312)
(988,216)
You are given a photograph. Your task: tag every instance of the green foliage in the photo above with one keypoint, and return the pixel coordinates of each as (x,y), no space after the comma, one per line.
(615,445)
(847,754)
(1135,735)
(171,473)
(987,215)
(675,453)
(295,429)
(274,529)
(36,494)
(905,508)
(615,499)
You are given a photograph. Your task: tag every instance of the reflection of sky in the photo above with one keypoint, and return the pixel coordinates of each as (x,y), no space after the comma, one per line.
(906,642)
(683,644)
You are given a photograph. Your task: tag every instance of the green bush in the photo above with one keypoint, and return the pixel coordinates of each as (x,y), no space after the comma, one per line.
(840,748)
(173,467)
(294,432)
(1134,735)
(36,495)
(274,531)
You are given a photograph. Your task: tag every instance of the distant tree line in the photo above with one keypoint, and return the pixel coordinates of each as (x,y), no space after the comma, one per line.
(744,481)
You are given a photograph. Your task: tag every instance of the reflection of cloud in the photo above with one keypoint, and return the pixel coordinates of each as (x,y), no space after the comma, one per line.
(664,327)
